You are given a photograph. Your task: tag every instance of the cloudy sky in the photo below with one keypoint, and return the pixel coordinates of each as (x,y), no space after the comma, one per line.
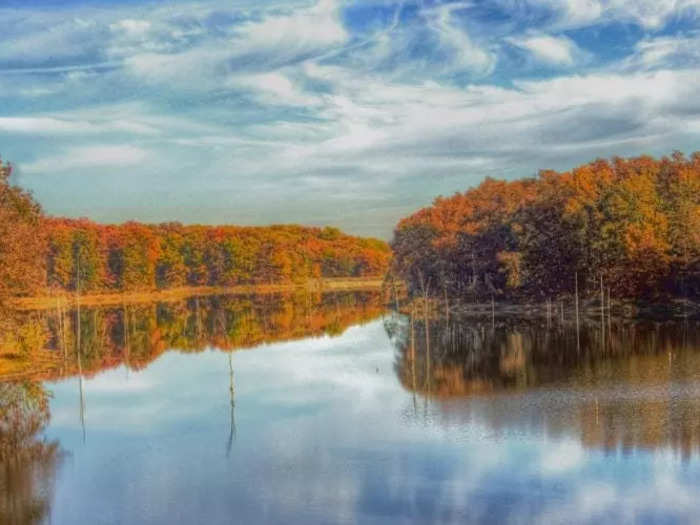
(351,113)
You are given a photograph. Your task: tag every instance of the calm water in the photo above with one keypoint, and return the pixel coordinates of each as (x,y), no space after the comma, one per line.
(340,412)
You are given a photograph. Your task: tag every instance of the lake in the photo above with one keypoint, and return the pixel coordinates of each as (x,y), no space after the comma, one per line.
(332,409)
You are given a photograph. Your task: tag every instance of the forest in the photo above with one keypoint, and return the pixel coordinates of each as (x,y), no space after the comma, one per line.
(41,254)
(629,227)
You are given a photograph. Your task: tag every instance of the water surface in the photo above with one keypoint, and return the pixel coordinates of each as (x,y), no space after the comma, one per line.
(328,409)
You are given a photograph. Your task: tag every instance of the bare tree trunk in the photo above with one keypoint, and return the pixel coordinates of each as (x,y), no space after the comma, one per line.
(578,337)
(413,357)
(602,313)
(427,345)
(447,304)
(609,318)
(396,296)
(561,310)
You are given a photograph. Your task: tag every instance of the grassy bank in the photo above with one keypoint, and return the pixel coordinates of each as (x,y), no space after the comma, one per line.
(173,294)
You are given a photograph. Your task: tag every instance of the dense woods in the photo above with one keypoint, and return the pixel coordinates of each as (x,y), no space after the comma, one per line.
(40,253)
(634,223)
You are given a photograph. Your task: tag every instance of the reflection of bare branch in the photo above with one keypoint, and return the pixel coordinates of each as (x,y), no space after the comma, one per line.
(232,400)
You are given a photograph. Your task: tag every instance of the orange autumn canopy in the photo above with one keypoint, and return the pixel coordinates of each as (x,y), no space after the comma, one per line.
(634,222)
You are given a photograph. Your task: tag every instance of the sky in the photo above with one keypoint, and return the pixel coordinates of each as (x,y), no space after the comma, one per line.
(346,113)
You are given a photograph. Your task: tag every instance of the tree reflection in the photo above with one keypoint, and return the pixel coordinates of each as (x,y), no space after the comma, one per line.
(28,463)
(633,384)
(62,343)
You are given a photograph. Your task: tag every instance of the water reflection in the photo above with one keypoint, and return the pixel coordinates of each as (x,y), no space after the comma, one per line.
(28,462)
(625,385)
(84,341)
(386,422)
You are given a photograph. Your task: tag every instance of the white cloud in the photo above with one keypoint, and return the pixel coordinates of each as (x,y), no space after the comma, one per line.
(89,157)
(651,14)
(290,97)
(301,30)
(556,50)
(256,46)
(664,52)
(49,125)
(131,28)
(274,88)
(58,39)
(454,38)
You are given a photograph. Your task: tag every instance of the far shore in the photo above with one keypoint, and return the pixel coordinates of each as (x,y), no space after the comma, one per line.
(45,302)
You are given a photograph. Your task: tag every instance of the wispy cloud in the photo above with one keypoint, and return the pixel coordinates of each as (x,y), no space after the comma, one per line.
(555,50)
(380,105)
(650,14)
(89,157)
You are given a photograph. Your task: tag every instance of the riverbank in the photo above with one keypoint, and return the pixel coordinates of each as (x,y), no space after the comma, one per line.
(175,294)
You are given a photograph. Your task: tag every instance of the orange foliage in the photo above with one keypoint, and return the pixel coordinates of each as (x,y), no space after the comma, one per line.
(635,222)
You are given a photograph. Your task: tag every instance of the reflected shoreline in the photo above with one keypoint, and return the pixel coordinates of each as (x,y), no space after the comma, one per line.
(619,386)
(64,342)
(299,414)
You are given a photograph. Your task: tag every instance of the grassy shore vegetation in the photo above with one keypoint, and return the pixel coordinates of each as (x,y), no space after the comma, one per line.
(626,228)
(41,255)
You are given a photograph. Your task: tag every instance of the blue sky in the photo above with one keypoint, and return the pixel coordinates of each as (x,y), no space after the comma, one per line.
(330,112)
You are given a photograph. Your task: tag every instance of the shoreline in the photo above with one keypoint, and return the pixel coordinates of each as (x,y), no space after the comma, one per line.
(336,284)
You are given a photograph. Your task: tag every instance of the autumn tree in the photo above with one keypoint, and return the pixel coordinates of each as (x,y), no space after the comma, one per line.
(634,223)
(22,261)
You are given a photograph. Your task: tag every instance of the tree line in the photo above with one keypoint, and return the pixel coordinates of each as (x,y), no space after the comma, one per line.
(631,226)
(39,252)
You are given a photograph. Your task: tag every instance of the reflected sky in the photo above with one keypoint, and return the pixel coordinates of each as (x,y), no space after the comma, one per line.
(325,433)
